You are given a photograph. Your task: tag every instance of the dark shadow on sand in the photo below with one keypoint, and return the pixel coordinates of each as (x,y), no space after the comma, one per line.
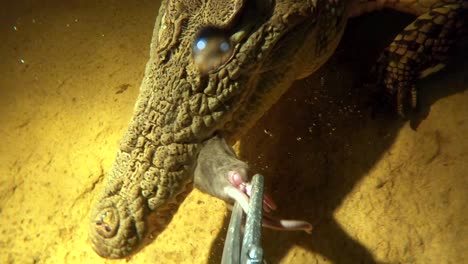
(320,140)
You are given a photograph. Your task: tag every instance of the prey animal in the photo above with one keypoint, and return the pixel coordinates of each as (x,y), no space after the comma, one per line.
(216,66)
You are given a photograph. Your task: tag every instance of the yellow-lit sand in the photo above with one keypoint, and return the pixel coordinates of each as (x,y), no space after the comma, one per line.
(376,190)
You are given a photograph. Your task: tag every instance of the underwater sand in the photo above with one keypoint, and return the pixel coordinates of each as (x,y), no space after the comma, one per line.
(375,189)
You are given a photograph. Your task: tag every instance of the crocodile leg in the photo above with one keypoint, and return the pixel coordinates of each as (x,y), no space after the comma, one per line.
(421,49)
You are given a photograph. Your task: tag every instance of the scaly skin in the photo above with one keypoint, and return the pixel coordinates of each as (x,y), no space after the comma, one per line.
(183,103)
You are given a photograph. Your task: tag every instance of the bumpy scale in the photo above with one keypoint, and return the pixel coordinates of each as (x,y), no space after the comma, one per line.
(192,93)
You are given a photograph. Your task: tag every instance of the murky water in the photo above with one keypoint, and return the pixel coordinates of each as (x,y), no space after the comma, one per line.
(375,189)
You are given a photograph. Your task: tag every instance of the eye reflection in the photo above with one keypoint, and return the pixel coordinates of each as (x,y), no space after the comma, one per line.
(211,49)
(201,44)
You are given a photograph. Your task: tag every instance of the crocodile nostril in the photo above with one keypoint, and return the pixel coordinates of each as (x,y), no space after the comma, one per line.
(107,222)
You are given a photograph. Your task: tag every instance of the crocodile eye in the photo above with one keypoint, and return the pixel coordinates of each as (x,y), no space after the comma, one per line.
(212,48)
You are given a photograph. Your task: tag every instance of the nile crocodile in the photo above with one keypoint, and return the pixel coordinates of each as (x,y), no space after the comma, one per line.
(216,66)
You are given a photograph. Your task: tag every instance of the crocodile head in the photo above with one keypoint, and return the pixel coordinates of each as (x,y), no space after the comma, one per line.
(210,64)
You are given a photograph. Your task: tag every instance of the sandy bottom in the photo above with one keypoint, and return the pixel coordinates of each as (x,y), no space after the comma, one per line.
(375,189)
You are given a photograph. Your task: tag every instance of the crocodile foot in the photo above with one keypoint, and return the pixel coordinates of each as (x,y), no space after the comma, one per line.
(420,49)
(219,173)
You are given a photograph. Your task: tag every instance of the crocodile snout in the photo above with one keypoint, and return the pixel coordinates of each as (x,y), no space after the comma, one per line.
(113,232)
